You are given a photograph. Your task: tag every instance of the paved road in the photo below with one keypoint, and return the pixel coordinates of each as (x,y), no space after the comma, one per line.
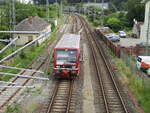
(127,42)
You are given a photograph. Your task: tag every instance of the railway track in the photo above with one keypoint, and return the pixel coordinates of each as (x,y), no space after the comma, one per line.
(9,95)
(111,99)
(63,97)
(62,100)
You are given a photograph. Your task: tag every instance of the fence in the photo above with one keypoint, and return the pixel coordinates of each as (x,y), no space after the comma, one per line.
(118,50)
(130,61)
(128,55)
(114,48)
(134,51)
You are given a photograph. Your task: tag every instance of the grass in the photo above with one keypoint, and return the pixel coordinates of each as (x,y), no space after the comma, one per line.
(25,57)
(137,85)
(20,108)
(33,91)
(13,109)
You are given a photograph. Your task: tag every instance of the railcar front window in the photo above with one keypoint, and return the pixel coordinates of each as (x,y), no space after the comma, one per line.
(66,57)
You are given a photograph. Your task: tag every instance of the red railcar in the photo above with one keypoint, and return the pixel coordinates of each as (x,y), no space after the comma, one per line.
(66,56)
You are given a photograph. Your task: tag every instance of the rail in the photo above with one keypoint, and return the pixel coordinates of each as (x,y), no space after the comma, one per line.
(64,91)
(108,86)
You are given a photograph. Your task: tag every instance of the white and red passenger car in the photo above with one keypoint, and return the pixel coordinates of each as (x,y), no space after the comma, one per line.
(66,56)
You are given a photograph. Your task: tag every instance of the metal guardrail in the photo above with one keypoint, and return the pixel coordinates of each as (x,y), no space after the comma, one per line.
(13,41)
(46,34)
(22,32)
(31,70)
(24,76)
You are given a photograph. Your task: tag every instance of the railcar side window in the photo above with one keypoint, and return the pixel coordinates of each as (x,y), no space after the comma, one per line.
(139,59)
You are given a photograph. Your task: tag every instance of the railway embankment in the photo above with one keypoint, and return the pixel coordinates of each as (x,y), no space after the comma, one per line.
(30,100)
(138,89)
(24,58)
(134,82)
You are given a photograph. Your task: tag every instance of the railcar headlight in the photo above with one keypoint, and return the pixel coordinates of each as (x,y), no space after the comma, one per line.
(73,67)
(57,71)
(57,66)
(73,71)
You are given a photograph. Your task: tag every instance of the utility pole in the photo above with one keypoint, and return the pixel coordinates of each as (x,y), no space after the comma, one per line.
(88,9)
(147,34)
(13,15)
(0,17)
(12,19)
(47,10)
(94,17)
(56,10)
(55,22)
(61,6)
(10,16)
(102,21)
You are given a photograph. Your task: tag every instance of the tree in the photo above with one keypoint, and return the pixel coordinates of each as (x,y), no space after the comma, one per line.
(114,24)
(4,35)
(118,2)
(24,11)
(136,11)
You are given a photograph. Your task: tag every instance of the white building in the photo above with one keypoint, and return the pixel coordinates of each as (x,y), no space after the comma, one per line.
(137,29)
(26,1)
(32,24)
(144,27)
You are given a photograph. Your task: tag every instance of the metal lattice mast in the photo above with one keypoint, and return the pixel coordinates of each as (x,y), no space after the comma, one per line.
(47,9)
(56,9)
(61,11)
(88,9)
(102,21)
(13,15)
(10,16)
(94,12)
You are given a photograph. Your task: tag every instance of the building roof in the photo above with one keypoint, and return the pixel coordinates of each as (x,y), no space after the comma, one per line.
(32,24)
(69,41)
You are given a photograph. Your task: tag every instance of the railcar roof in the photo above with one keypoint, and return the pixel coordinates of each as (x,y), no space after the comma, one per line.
(69,41)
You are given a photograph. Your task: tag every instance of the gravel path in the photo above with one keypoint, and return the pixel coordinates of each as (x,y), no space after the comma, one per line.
(88,97)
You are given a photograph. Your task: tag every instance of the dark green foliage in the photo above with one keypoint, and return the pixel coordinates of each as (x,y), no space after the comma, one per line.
(118,2)
(23,11)
(13,109)
(117,21)
(4,35)
(22,55)
(114,23)
(135,10)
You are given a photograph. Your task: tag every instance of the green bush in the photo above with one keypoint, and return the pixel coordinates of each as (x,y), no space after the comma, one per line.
(22,55)
(13,109)
(137,85)
(114,23)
